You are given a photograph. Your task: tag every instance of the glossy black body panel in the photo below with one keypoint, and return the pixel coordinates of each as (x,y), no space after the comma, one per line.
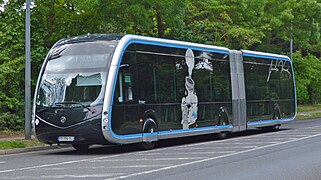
(88,132)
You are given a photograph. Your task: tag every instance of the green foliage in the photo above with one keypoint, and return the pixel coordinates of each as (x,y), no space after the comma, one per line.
(19,144)
(301,116)
(11,121)
(11,144)
(159,18)
(12,58)
(309,108)
(308,78)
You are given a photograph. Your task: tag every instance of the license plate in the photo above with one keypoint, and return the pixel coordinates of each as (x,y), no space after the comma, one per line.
(66,138)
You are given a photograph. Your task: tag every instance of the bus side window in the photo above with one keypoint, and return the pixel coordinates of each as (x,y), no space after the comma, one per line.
(128,87)
(120,88)
(124,91)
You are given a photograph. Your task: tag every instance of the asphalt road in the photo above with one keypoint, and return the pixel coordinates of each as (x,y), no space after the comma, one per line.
(293,152)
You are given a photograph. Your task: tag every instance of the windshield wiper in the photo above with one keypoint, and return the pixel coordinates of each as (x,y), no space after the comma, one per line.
(74,102)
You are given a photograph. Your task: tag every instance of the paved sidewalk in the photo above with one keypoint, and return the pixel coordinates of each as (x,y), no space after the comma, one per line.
(12,138)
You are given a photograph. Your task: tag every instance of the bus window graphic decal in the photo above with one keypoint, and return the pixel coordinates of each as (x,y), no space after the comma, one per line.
(275,67)
(190,101)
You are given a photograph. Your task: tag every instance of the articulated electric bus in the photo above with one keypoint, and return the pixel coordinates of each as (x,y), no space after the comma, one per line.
(121,89)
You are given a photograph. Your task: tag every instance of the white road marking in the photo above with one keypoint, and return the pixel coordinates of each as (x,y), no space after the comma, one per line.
(216,147)
(82,176)
(289,135)
(270,138)
(85,176)
(209,159)
(186,153)
(37,152)
(148,159)
(247,142)
(56,164)
(307,130)
(2,162)
(137,166)
(104,167)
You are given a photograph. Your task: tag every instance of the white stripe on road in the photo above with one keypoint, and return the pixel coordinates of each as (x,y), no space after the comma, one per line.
(185,153)
(238,143)
(57,164)
(148,159)
(208,159)
(85,176)
(103,167)
(215,147)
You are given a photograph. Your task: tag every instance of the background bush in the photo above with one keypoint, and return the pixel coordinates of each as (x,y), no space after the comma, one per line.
(11,121)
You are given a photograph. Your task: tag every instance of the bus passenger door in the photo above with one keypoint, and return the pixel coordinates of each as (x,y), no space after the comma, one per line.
(238,91)
(127,96)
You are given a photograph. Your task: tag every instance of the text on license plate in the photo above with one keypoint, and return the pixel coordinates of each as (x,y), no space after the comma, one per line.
(66,138)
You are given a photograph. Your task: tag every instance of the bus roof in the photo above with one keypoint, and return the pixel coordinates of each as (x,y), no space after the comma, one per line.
(88,38)
(264,55)
(174,43)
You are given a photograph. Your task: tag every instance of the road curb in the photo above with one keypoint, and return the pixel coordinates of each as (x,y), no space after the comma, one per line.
(31,149)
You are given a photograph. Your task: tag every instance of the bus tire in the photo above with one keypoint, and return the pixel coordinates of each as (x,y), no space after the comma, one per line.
(81,147)
(149,127)
(220,135)
(271,128)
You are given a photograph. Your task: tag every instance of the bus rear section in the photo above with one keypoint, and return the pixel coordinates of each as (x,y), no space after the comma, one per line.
(270,90)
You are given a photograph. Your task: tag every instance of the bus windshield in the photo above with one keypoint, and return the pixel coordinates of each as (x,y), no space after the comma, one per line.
(73,80)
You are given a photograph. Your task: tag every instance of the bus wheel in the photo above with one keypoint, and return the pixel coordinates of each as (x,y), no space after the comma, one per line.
(149,127)
(81,147)
(220,136)
(271,128)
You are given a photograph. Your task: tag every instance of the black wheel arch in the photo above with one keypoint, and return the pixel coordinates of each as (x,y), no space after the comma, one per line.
(150,116)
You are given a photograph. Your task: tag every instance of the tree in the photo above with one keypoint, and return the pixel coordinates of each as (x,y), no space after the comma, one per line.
(158,18)
(222,23)
(12,60)
(308,78)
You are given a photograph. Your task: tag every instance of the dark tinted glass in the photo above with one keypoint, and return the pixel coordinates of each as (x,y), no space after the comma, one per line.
(167,83)
(125,116)
(269,88)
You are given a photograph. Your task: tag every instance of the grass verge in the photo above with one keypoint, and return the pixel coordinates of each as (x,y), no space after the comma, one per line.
(11,134)
(308,115)
(309,108)
(12,144)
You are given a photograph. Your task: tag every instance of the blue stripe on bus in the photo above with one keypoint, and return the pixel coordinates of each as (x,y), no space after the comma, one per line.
(195,129)
(269,121)
(266,57)
(176,131)
(139,135)
(177,46)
